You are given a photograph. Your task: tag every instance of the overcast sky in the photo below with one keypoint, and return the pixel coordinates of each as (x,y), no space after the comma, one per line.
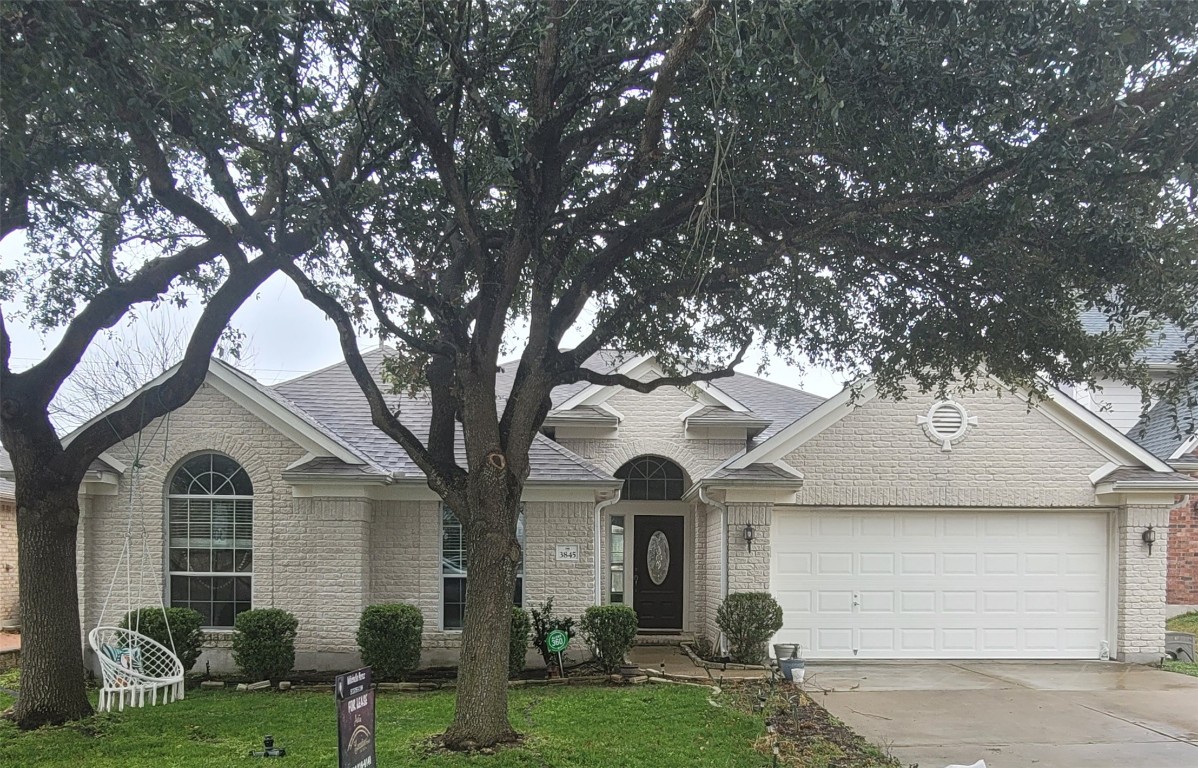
(288,337)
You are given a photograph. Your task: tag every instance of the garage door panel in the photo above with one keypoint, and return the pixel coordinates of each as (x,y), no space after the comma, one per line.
(946,584)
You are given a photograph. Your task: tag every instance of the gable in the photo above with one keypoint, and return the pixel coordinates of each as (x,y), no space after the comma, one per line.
(879,454)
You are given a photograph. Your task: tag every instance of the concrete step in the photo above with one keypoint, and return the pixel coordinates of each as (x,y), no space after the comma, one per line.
(664,638)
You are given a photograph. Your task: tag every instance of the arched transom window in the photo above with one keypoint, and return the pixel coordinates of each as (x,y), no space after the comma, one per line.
(210,511)
(650,478)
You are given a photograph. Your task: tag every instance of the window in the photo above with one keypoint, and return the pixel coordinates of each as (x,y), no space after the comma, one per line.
(648,478)
(454,568)
(616,550)
(210,511)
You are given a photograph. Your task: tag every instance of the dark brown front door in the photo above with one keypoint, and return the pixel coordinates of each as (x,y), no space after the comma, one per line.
(657,571)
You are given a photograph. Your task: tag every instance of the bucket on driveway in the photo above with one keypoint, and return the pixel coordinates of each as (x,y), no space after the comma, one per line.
(794,670)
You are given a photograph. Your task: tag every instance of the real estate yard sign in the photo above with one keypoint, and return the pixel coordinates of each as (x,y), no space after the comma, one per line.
(355,719)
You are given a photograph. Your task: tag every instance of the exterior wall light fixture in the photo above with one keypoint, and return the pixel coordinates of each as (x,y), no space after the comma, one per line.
(1149,537)
(749,534)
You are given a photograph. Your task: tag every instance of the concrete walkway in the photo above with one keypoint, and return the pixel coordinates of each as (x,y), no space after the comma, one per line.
(1016,714)
(673,661)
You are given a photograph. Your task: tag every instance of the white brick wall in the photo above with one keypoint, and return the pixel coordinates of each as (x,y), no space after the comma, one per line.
(1141,583)
(879,456)
(405,554)
(653,425)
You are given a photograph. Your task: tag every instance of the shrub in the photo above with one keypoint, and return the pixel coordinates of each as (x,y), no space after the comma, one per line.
(518,643)
(184,630)
(264,643)
(610,631)
(389,639)
(749,620)
(544,622)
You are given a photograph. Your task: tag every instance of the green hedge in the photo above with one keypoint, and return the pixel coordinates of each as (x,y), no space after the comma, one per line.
(389,639)
(518,642)
(264,643)
(185,630)
(748,620)
(610,631)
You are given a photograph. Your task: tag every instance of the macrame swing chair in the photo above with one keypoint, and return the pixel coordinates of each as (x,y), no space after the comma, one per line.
(137,670)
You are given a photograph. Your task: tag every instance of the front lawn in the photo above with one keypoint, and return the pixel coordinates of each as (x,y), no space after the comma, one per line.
(652,725)
(1185,622)
(1184,667)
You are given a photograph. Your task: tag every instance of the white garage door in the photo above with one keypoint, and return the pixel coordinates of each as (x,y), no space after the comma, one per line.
(944,584)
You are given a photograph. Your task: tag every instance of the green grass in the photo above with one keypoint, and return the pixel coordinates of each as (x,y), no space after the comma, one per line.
(1186,622)
(648,725)
(1184,667)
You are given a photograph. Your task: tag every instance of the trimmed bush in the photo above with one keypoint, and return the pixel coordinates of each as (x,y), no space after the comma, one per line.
(185,630)
(610,631)
(264,643)
(544,622)
(389,639)
(518,642)
(749,620)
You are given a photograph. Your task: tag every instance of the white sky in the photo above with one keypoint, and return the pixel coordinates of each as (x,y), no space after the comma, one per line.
(287,337)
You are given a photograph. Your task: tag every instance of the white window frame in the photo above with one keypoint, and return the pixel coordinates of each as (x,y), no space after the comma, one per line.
(443,576)
(189,497)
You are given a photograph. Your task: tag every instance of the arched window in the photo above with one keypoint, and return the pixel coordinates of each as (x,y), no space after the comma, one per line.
(649,478)
(210,520)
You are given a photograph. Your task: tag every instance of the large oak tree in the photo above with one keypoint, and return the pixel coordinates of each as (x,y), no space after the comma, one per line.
(917,190)
(149,155)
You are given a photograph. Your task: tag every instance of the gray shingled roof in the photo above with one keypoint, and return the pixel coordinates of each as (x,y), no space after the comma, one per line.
(7,490)
(581,414)
(713,415)
(1143,476)
(1167,425)
(777,404)
(332,399)
(758,473)
(1163,344)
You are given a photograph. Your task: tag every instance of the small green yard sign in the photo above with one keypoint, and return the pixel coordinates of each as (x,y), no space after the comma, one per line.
(557,640)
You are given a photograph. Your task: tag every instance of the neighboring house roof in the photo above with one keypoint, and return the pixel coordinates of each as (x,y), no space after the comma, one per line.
(1169,429)
(1163,345)
(8,491)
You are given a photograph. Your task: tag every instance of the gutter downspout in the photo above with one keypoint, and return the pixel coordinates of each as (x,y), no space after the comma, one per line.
(723,508)
(599,508)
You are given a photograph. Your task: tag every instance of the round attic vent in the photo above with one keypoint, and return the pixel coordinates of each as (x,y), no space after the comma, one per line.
(947,422)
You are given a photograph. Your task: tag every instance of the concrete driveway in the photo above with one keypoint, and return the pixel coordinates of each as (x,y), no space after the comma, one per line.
(1085,714)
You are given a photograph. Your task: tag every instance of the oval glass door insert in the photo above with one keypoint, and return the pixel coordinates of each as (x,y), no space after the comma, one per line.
(658,557)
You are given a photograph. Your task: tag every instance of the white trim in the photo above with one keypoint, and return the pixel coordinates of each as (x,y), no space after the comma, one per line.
(230,383)
(800,431)
(1187,445)
(111,461)
(598,394)
(1106,469)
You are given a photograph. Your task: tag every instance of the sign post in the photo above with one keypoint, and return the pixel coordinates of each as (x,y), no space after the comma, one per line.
(355,719)
(556,641)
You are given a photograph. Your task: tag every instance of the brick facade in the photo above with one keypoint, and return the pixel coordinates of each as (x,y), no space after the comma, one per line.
(1182,587)
(9,603)
(325,555)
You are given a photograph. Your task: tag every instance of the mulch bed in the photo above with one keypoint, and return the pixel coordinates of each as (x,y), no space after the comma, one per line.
(799,732)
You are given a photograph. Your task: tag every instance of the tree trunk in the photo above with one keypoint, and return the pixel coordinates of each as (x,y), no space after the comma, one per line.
(52,675)
(492,552)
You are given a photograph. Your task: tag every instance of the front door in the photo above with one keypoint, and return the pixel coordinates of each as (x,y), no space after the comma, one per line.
(657,571)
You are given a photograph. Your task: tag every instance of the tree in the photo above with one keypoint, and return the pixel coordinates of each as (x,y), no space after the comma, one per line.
(125,360)
(141,159)
(922,191)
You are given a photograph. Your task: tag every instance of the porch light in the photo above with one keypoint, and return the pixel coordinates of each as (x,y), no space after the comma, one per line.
(749,533)
(1149,537)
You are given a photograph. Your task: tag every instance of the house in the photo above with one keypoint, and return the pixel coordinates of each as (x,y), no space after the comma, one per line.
(1170,431)
(8,554)
(988,525)
(1121,403)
